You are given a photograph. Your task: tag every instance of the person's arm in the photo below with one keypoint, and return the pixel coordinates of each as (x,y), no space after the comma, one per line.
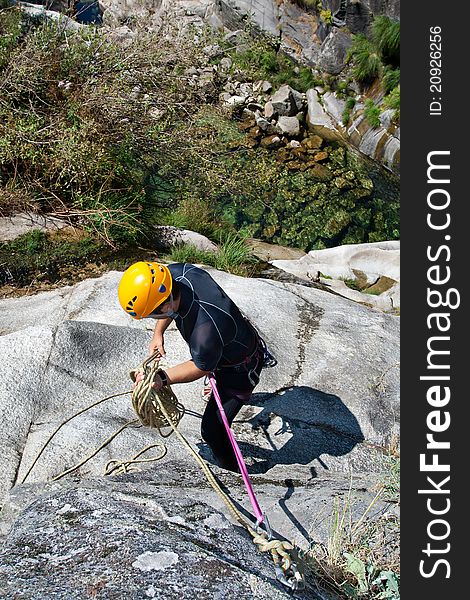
(157,342)
(182,373)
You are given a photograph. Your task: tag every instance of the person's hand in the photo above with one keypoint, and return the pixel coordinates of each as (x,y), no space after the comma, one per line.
(157,344)
(157,382)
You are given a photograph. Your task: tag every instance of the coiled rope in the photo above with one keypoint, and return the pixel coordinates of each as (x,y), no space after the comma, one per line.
(160,410)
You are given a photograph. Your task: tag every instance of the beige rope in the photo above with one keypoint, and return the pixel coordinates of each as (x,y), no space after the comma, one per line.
(119,467)
(162,409)
(145,401)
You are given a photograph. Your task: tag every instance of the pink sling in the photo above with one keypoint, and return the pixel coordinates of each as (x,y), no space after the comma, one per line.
(241,463)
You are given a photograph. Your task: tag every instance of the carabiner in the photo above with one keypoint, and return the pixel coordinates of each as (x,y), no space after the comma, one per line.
(267,526)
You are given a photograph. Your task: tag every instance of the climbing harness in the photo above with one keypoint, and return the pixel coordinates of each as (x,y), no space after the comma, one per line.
(268,359)
(162,409)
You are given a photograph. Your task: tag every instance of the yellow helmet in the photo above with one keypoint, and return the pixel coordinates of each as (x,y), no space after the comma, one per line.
(143,287)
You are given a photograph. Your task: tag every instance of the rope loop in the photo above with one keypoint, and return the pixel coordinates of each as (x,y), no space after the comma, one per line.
(119,467)
(147,402)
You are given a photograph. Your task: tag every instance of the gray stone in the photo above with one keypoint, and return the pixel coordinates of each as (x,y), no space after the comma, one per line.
(236,101)
(234,36)
(246,89)
(286,101)
(85,322)
(20,223)
(263,123)
(300,32)
(38,12)
(226,63)
(288,126)
(373,259)
(263,14)
(323,412)
(212,50)
(333,51)
(334,106)
(391,153)
(386,118)
(350,261)
(262,87)
(169,236)
(132,541)
(318,120)
(373,141)
(269,111)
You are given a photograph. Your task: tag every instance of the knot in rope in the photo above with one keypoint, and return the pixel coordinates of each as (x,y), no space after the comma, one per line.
(281,552)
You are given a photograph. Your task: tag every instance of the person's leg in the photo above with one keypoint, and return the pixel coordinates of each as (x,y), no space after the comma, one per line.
(213,430)
(235,390)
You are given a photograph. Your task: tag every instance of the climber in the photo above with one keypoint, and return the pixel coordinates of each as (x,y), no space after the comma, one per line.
(220,339)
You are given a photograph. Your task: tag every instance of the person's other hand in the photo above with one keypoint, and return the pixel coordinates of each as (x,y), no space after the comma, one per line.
(157,344)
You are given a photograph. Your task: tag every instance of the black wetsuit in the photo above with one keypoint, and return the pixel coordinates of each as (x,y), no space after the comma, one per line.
(220,340)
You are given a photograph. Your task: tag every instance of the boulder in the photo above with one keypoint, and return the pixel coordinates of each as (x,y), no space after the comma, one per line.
(142,538)
(169,236)
(334,106)
(289,126)
(286,101)
(317,411)
(318,121)
(333,51)
(323,412)
(39,13)
(262,87)
(269,111)
(20,223)
(364,262)
(375,259)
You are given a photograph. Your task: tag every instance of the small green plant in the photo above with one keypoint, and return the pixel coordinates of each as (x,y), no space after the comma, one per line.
(350,104)
(366,59)
(386,38)
(372,113)
(352,284)
(361,557)
(326,16)
(390,79)
(233,255)
(393,101)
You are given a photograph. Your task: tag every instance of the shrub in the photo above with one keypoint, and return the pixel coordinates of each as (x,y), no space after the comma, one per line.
(386,38)
(327,16)
(233,255)
(259,59)
(82,127)
(390,79)
(372,113)
(393,101)
(367,63)
(10,30)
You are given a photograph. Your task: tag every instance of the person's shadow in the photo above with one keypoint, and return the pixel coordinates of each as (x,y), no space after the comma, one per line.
(311,423)
(300,425)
